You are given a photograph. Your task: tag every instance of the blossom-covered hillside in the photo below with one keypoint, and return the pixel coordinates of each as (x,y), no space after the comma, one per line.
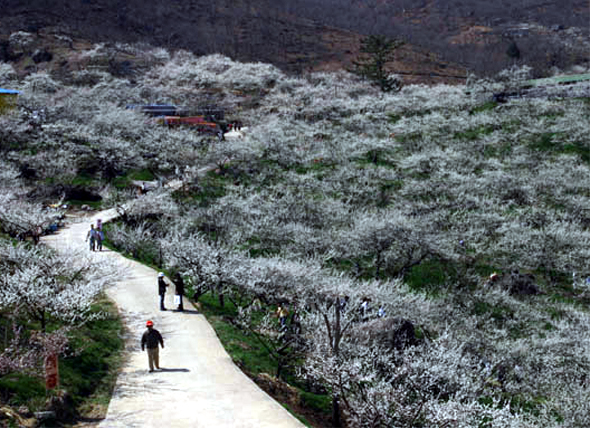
(433,243)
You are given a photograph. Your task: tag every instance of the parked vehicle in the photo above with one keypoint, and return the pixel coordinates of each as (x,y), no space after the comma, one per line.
(155,110)
(198,122)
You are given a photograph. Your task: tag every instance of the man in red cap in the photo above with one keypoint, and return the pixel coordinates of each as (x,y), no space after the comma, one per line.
(150,339)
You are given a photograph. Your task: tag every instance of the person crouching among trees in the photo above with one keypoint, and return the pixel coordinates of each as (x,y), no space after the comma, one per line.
(282,313)
(150,340)
(162,290)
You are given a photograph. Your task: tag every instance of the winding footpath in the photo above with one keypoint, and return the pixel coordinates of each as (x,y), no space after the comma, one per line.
(198,386)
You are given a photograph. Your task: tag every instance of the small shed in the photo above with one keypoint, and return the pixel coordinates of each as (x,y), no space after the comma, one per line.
(8,99)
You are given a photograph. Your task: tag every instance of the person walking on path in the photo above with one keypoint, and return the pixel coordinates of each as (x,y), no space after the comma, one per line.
(99,239)
(162,290)
(179,284)
(91,235)
(151,339)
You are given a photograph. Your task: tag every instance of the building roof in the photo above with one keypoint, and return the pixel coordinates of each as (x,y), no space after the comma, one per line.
(572,78)
(9,91)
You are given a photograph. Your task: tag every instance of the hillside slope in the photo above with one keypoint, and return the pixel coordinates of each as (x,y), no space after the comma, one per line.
(445,38)
(243,30)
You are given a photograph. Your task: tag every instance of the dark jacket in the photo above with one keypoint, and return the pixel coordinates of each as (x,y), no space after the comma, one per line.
(179,283)
(151,337)
(162,286)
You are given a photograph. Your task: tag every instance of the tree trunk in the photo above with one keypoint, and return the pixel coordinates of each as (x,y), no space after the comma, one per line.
(337,329)
(279,367)
(378,265)
(336,422)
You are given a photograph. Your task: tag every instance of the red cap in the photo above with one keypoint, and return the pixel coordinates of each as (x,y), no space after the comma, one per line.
(149,323)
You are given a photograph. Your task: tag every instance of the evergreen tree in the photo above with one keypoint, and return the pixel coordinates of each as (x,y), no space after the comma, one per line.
(513,51)
(377,51)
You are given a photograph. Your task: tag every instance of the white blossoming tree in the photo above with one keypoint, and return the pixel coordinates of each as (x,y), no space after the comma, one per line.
(40,288)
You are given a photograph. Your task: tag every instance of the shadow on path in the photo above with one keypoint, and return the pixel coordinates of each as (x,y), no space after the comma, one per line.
(164,369)
(186,311)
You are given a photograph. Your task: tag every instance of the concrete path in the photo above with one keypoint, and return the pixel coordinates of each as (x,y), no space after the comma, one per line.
(199,386)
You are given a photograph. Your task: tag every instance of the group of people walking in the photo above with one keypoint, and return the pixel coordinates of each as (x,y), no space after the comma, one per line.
(95,236)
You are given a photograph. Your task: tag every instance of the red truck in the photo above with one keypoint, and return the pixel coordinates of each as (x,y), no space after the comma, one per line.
(198,122)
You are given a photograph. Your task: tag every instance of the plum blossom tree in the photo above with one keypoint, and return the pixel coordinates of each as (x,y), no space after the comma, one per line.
(151,206)
(40,287)
(7,74)
(331,305)
(209,264)
(44,284)
(430,384)
(26,354)
(22,219)
(391,239)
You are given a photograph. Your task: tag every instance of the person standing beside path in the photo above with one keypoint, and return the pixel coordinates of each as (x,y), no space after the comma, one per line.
(162,290)
(150,339)
(179,284)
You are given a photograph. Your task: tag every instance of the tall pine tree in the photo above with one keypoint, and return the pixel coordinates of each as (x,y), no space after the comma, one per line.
(376,52)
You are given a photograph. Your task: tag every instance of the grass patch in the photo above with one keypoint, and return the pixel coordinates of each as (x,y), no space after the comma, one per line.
(124,181)
(555,314)
(411,137)
(246,352)
(90,374)
(149,255)
(256,248)
(473,134)
(394,118)
(430,276)
(378,157)
(96,205)
(317,165)
(87,375)
(208,189)
(544,142)
(319,402)
(488,106)
(18,389)
(511,126)
(121,182)
(498,313)
(578,149)
(142,175)
(548,142)
(83,180)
